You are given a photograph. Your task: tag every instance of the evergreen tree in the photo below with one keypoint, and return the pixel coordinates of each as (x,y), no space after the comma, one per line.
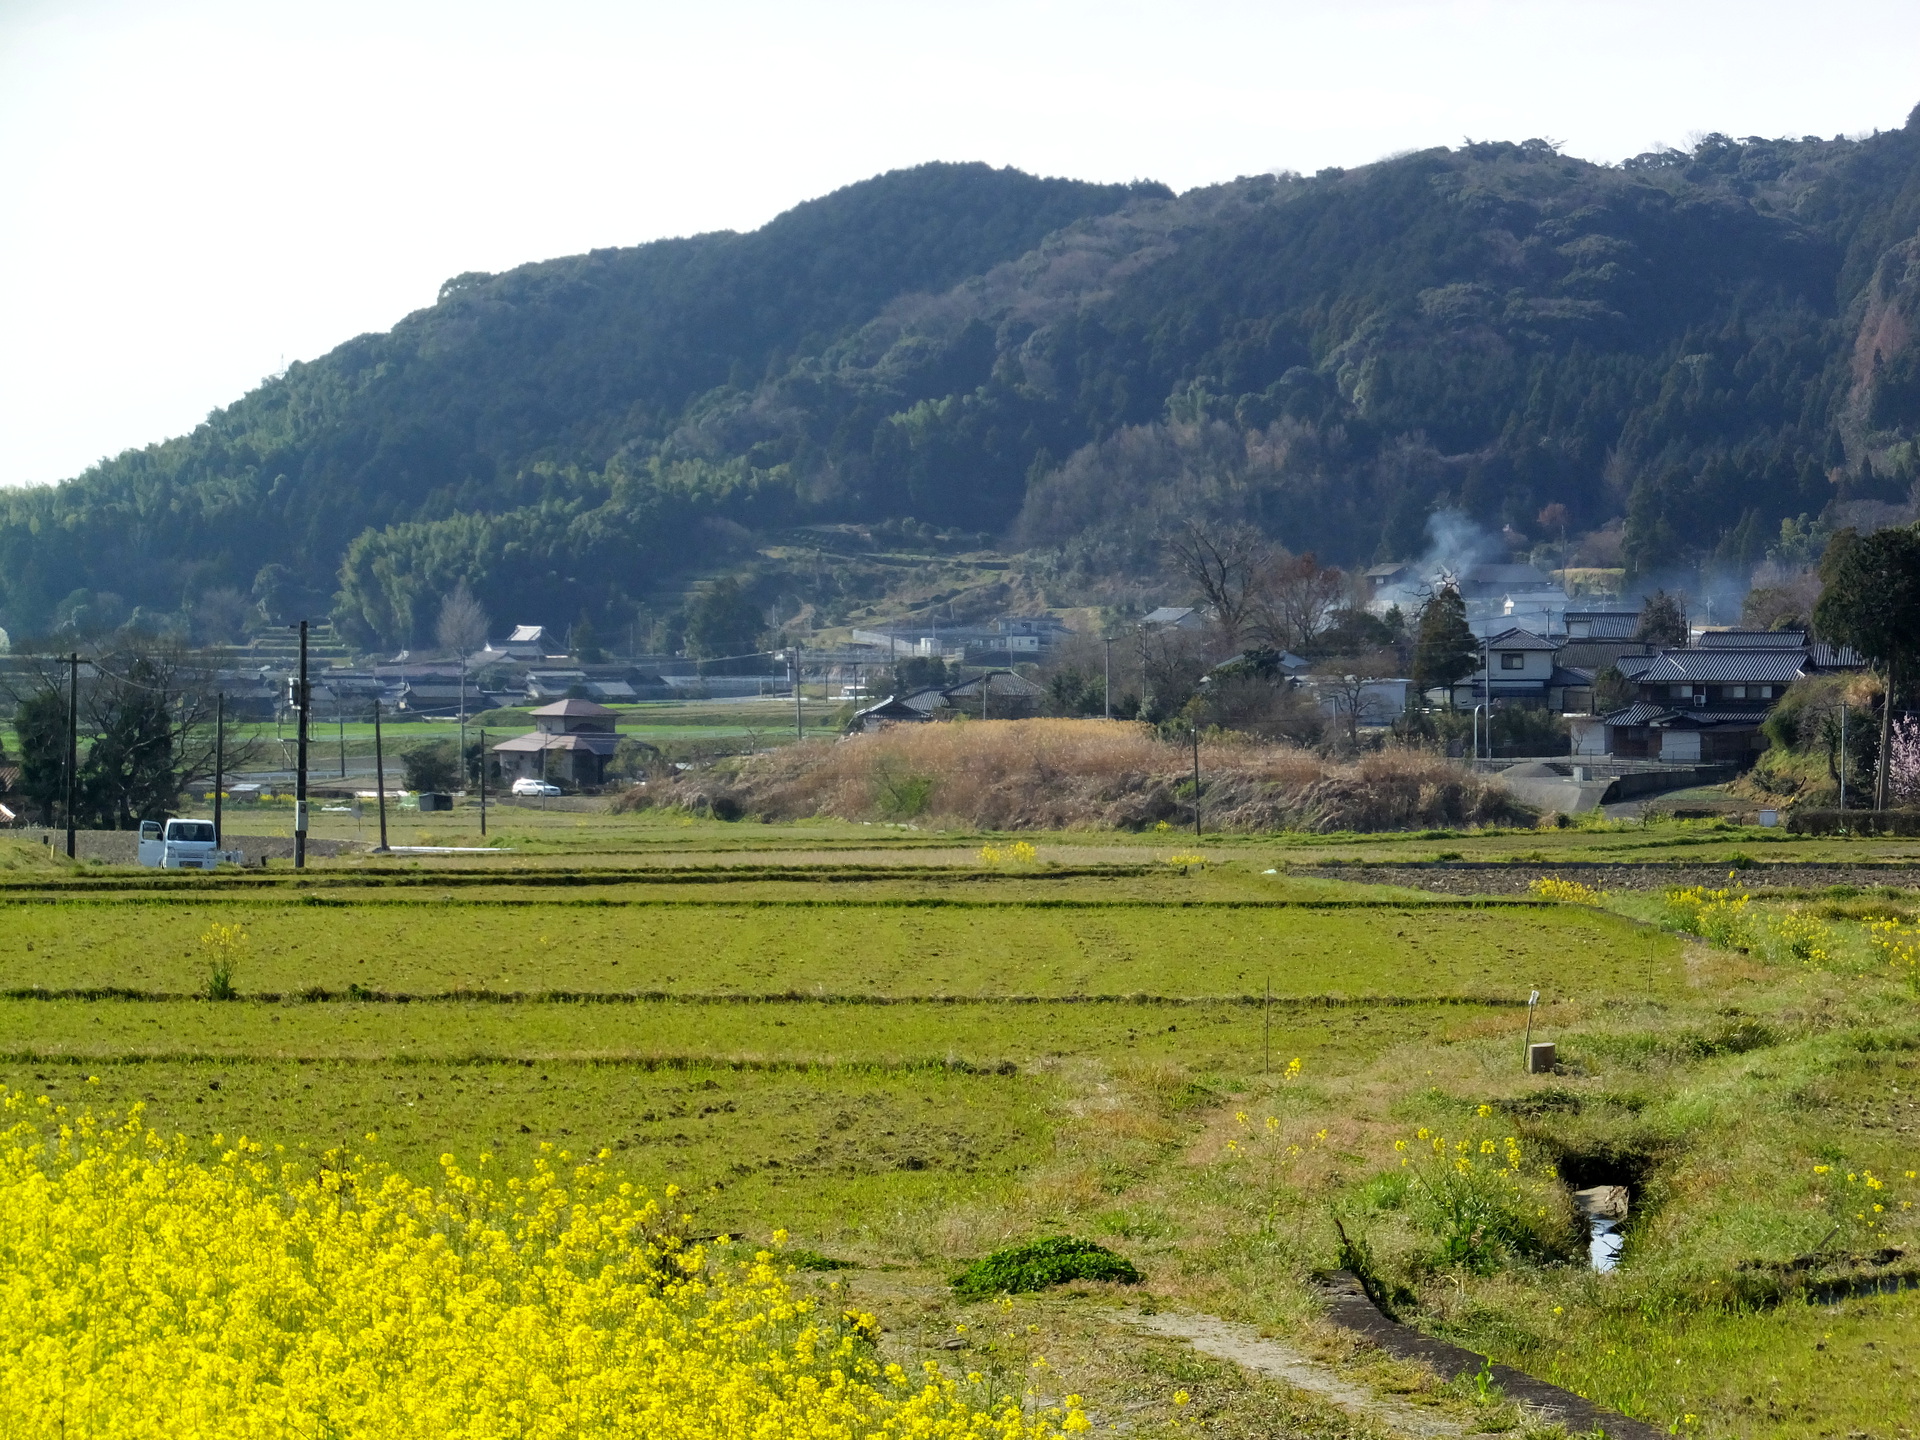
(1610,690)
(41,723)
(1663,622)
(131,772)
(1871,601)
(1445,651)
(721,620)
(433,766)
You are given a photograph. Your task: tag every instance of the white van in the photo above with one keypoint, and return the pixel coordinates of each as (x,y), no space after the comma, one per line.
(183,845)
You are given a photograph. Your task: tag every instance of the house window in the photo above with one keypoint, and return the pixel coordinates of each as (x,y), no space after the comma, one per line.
(1763,692)
(1736,692)
(1511,661)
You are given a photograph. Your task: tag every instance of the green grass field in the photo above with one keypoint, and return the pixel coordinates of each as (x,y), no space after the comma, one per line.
(908,1057)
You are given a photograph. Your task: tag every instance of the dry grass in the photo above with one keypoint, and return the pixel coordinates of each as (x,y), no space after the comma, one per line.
(1081,774)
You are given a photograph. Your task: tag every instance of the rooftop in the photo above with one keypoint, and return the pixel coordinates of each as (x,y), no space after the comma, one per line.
(1518,639)
(1725,667)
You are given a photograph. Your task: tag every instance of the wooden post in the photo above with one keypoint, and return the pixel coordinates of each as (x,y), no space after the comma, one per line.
(1196,782)
(300,775)
(380,779)
(219,760)
(73,744)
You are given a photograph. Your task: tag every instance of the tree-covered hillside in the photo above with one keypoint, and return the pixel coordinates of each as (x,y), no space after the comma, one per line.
(1702,343)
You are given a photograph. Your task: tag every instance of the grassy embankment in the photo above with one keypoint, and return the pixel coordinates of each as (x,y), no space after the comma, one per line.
(1068,1046)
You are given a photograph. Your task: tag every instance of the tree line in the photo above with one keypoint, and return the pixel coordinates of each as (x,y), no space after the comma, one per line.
(1544,343)
(145,728)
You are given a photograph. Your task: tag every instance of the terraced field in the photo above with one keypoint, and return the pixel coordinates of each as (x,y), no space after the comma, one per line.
(907,1057)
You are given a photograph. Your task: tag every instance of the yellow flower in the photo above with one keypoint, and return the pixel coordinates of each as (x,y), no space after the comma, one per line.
(1180,1397)
(234,1298)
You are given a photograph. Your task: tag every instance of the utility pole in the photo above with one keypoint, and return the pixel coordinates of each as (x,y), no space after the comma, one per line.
(1266,1028)
(1107,640)
(219,760)
(1146,684)
(1196,781)
(341,717)
(300,770)
(380,778)
(1844,759)
(483,784)
(73,743)
(798,732)
(1486,687)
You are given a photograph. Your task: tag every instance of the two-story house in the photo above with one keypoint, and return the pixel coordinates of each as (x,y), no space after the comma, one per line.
(571,744)
(1707,703)
(1519,667)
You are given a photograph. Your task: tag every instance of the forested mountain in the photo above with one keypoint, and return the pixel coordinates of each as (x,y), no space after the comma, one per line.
(1703,343)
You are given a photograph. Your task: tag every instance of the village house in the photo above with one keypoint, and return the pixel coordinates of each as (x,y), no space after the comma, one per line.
(571,744)
(996,695)
(1525,671)
(1707,703)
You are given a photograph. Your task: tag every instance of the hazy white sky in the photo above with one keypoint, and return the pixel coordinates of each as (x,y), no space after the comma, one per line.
(194,192)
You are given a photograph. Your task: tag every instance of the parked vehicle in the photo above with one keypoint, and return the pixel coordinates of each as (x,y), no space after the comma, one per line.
(527,785)
(183,845)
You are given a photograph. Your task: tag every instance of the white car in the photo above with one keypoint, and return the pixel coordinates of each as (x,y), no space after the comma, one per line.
(183,845)
(527,785)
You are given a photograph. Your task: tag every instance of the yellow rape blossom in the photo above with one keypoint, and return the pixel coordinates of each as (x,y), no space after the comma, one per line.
(151,1287)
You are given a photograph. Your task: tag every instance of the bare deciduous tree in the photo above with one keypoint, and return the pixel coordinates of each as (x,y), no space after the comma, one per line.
(1227,564)
(1296,595)
(146,730)
(462,627)
(220,616)
(1347,686)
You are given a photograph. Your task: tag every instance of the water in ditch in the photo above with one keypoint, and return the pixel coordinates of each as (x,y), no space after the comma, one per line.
(1604,1208)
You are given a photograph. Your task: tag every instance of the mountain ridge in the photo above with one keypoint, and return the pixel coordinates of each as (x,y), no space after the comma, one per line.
(1699,345)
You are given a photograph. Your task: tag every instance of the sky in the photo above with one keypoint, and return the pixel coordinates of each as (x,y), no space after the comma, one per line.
(194,193)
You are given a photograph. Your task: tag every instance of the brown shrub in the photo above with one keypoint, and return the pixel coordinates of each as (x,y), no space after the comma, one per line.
(1084,774)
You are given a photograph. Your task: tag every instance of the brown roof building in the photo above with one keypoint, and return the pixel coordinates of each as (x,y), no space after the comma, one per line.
(572,744)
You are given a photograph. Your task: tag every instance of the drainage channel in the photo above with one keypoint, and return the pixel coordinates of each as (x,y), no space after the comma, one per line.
(1604,1208)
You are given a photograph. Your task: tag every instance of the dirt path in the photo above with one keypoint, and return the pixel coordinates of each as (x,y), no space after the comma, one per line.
(1469,878)
(1247,1348)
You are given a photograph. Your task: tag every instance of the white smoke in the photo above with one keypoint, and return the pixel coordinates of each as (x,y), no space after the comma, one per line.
(1455,543)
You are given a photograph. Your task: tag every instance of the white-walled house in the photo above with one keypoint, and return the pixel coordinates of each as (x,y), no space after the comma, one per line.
(1524,671)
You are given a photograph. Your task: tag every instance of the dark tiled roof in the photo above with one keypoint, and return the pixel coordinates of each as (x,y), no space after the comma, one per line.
(1632,666)
(1522,575)
(1752,640)
(1665,717)
(1724,667)
(1596,655)
(1564,675)
(1518,639)
(1602,624)
(1639,714)
(1835,657)
(576,708)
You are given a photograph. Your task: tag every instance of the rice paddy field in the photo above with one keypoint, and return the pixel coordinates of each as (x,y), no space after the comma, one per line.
(1240,1063)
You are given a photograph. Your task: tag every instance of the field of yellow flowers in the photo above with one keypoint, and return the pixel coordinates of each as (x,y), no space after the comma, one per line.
(152,1287)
